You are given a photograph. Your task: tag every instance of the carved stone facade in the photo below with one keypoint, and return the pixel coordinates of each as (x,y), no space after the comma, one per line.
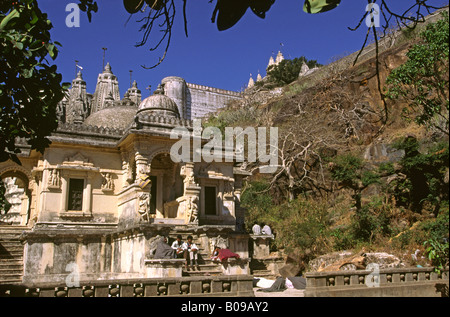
(107,186)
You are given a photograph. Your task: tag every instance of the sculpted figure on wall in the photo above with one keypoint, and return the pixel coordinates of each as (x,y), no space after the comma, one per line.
(188,173)
(54,179)
(144,205)
(108,183)
(192,209)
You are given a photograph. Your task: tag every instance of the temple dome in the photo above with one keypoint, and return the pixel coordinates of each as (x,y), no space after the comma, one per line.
(159,105)
(118,117)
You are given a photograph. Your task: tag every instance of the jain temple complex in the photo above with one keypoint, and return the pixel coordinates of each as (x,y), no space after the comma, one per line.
(86,214)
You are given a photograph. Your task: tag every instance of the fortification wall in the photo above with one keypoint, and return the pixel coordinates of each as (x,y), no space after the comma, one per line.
(202,100)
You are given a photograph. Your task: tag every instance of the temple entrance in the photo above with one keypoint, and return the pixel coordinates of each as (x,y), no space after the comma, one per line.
(167,186)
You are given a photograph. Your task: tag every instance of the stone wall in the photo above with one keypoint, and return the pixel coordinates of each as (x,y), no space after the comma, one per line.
(202,100)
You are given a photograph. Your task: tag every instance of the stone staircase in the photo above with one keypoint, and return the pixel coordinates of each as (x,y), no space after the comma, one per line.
(11,254)
(206,266)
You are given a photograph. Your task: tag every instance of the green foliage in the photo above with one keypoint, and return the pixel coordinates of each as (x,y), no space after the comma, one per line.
(437,228)
(372,220)
(300,224)
(386,168)
(424,78)
(288,70)
(30,88)
(351,172)
(258,202)
(343,238)
(347,170)
(425,173)
(437,253)
(88,6)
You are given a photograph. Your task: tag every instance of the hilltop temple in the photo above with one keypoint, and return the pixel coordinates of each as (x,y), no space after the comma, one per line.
(98,198)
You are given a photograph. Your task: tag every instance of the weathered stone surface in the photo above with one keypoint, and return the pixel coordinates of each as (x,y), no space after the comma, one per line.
(403,282)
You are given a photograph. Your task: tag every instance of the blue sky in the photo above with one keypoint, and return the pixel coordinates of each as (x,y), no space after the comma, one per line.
(207,57)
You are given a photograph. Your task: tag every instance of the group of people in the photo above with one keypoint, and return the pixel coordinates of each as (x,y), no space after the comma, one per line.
(264,231)
(179,249)
(189,251)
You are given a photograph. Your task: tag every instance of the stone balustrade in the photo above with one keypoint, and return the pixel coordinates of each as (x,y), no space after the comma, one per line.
(212,286)
(161,268)
(404,282)
(236,266)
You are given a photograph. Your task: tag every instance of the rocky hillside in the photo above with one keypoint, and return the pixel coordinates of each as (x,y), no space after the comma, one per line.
(349,162)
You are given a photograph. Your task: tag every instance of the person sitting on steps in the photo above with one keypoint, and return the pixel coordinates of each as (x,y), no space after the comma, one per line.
(177,245)
(190,253)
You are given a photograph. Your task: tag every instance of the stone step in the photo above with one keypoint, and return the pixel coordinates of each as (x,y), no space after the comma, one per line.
(195,272)
(5,254)
(203,269)
(13,265)
(14,231)
(11,276)
(9,237)
(9,245)
(261,273)
(13,270)
(11,260)
(12,281)
(11,242)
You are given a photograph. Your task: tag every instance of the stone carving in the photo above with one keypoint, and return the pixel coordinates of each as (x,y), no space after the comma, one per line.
(126,170)
(107,184)
(153,244)
(211,170)
(228,189)
(192,209)
(144,206)
(189,179)
(78,158)
(218,241)
(142,166)
(54,180)
(188,174)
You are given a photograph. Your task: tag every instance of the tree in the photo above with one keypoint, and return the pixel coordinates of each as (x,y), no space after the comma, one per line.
(423,81)
(30,88)
(287,71)
(424,184)
(350,172)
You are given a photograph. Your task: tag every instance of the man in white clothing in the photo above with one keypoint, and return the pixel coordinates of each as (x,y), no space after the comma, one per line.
(190,253)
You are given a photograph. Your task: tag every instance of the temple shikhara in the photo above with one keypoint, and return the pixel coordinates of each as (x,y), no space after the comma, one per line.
(92,207)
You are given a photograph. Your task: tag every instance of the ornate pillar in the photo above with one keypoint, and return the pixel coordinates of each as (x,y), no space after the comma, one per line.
(142,166)
(88,197)
(190,208)
(64,195)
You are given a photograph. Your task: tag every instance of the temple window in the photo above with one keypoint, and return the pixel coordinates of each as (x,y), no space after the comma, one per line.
(76,187)
(210,201)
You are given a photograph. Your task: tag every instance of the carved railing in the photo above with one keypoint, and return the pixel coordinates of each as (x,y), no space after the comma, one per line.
(410,282)
(214,286)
